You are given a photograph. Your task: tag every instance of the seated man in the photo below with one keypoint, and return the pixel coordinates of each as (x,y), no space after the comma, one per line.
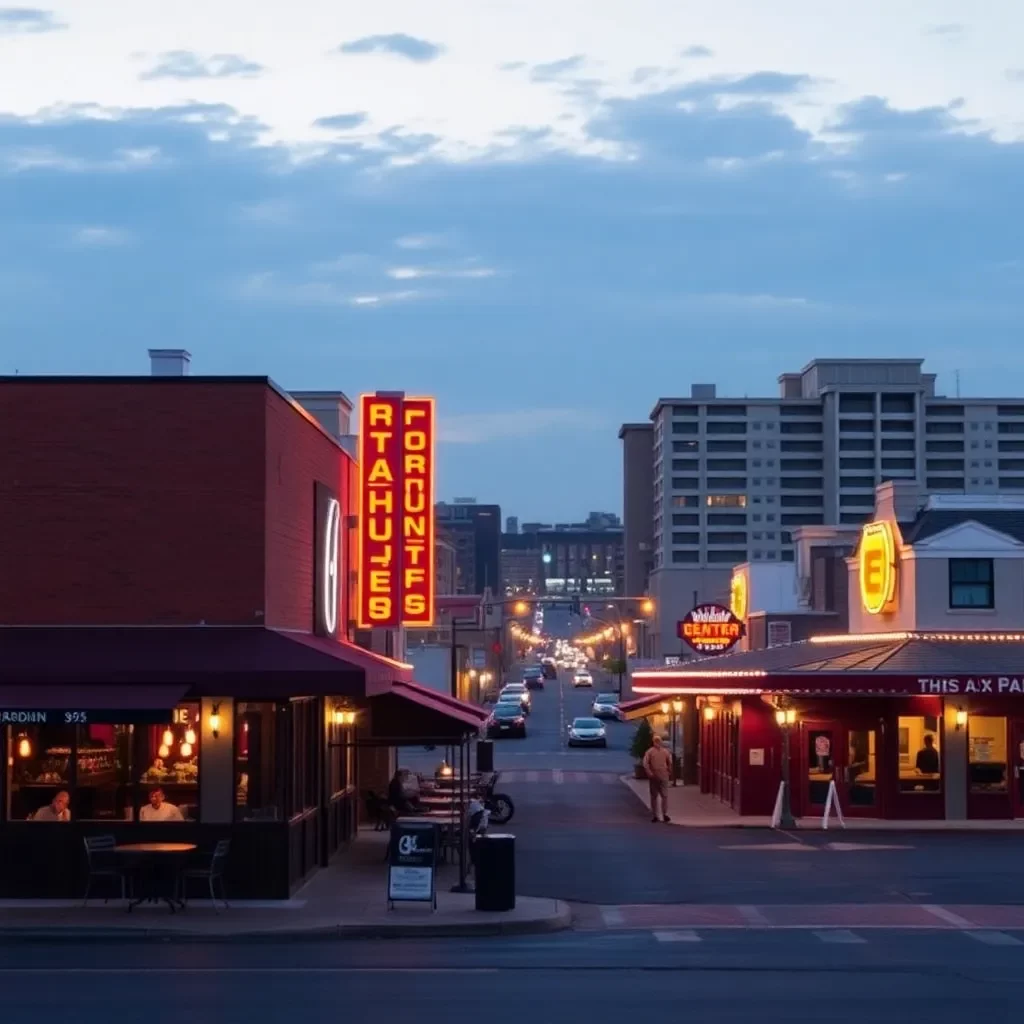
(402,796)
(158,809)
(56,810)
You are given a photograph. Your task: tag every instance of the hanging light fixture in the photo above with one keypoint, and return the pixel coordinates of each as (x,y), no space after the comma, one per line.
(186,750)
(190,736)
(24,747)
(168,737)
(164,751)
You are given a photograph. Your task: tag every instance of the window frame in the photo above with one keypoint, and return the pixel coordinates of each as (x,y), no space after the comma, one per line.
(953,563)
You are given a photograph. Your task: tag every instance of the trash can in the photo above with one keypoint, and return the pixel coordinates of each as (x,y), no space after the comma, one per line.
(485,755)
(496,872)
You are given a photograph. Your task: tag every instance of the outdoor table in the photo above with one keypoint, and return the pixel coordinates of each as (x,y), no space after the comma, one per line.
(155,864)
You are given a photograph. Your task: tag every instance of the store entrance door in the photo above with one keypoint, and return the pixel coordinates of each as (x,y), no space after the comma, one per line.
(849,757)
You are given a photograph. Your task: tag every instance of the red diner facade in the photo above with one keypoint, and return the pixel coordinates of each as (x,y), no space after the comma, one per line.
(178,610)
(915,711)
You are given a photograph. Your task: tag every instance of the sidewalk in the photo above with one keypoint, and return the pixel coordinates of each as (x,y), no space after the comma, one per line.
(346,900)
(690,808)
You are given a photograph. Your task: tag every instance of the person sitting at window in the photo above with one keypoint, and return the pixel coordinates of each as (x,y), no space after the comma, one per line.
(928,757)
(159,810)
(56,810)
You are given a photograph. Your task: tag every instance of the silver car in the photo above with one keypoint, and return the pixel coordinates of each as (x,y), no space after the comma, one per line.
(587,732)
(606,705)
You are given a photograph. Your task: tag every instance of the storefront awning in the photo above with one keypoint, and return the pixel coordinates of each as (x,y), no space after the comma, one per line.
(56,704)
(413,715)
(247,661)
(641,707)
(877,664)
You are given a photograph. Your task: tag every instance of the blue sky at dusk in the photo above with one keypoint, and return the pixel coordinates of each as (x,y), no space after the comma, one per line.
(547,229)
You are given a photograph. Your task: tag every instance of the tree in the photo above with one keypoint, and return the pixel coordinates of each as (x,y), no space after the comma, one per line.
(643,740)
(615,666)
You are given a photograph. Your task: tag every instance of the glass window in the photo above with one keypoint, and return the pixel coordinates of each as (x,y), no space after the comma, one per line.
(105,772)
(258,789)
(986,738)
(920,754)
(305,734)
(971,583)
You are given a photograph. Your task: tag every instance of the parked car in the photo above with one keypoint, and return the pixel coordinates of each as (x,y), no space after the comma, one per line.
(606,705)
(507,719)
(519,690)
(533,677)
(587,732)
(582,678)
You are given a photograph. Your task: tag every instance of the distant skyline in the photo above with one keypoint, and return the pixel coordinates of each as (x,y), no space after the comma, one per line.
(546,230)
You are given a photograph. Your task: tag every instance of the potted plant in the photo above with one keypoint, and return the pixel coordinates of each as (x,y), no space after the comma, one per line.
(643,740)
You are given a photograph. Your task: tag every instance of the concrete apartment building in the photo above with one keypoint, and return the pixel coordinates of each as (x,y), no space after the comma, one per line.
(731,478)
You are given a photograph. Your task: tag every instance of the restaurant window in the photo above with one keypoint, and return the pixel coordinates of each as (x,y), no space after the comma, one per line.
(920,744)
(258,779)
(105,772)
(305,735)
(987,761)
(971,583)
(339,761)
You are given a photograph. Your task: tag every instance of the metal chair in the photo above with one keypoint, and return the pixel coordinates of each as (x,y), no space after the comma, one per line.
(211,874)
(99,859)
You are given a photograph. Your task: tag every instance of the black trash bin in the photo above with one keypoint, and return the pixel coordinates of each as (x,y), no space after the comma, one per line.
(495,872)
(485,755)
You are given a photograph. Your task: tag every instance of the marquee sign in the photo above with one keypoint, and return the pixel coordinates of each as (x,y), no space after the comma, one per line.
(738,595)
(877,567)
(396,511)
(711,629)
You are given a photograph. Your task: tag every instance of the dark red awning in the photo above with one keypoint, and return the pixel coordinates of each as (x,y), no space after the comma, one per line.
(80,705)
(410,715)
(464,707)
(640,707)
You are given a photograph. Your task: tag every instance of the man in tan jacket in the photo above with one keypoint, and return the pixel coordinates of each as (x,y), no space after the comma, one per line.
(658,767)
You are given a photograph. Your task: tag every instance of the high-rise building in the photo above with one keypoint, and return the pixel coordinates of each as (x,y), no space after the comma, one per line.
(475,532)
(637,505)
(574,558)
(731,478)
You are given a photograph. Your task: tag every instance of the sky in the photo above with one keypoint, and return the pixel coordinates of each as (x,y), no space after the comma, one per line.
(547,214)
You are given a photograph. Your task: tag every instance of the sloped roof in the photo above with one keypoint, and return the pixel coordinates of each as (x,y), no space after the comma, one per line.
(935,521)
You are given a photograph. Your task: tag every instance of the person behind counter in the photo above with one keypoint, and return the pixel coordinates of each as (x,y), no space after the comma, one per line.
(158,809)
(927,762)
(56,810)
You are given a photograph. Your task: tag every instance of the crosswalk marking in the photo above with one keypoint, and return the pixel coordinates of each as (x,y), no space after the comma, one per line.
(994,938)
(677,935)
(560,777)
(839,937)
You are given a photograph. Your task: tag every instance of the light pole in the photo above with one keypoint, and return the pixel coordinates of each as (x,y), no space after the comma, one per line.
(677,707)
(786,718)
(672,710)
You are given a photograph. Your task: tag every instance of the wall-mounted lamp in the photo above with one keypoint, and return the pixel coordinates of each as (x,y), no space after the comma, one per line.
(785,716)
(190,736)
(664,707)
(677,706)
(709,713)
(961,718)
(24,747)
(343,716)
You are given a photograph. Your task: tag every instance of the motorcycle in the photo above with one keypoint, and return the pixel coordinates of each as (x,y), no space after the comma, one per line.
(500,807)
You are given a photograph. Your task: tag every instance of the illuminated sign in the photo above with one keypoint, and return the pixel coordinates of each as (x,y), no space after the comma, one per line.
(738,596)
(876,560)
(327,564)
(710,629)
(396,511)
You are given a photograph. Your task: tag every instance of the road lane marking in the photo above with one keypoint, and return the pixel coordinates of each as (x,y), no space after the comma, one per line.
(678,935)
(557,776)
(946,915)
(753,916)
(851,847)
(612,917)
(839,937)
(787,847)
(990,938)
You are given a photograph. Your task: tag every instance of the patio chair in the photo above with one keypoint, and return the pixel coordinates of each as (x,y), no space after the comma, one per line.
(212,874)
(101,863)
(378,811)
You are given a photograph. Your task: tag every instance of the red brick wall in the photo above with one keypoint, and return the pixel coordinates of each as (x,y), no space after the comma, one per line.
(131,502)
(298,455)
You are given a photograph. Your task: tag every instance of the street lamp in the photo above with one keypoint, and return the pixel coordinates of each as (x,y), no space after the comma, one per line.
(786,719)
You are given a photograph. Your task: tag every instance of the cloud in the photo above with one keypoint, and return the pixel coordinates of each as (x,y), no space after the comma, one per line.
(185,65)
(696,52)
(1015,74)
(270,287)
(15,20)
(513,65)
(342,122)
(100,237)
(398,44)
(453,273)
(421,242)
(515,425)
(948,30)
(557,68)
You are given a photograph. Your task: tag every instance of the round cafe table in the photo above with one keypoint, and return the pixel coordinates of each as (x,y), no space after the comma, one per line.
(156,866)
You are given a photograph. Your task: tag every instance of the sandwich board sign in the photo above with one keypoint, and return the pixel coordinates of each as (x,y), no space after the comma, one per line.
(412,863)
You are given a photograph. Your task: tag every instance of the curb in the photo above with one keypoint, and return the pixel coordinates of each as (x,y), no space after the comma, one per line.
(560,920)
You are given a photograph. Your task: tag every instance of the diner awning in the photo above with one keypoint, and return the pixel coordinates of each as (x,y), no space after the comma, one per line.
(59,704)
(246,661)
(413,715)
(641,707)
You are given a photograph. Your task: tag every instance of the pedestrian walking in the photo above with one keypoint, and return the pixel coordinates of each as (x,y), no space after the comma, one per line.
(658,767)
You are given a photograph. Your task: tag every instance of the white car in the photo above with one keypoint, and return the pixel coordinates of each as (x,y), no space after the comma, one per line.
(582,678)
(587,732)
